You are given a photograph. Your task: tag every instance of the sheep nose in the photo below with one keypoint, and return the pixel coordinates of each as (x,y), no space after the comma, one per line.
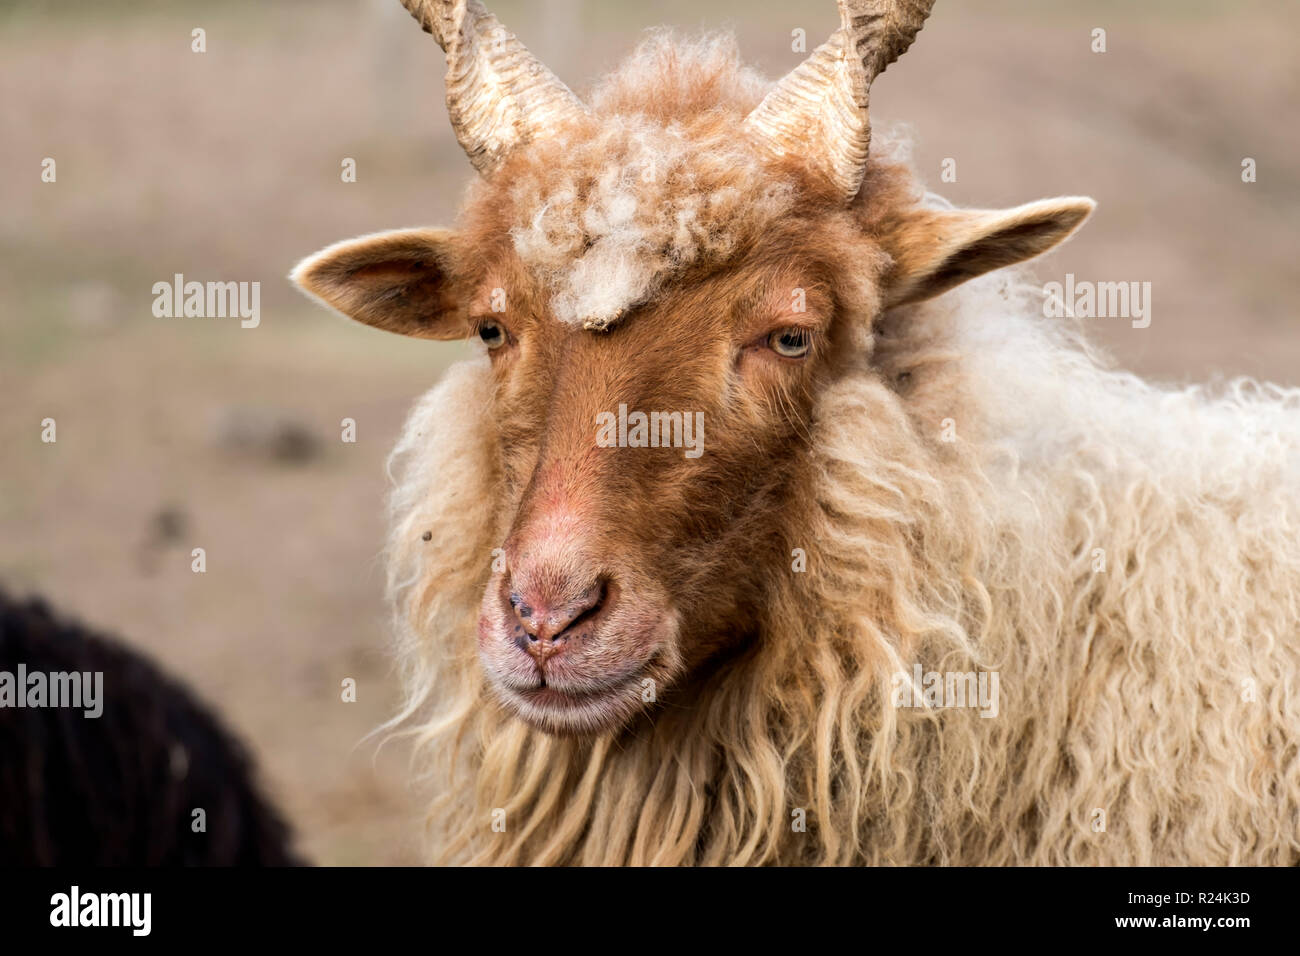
(547,619)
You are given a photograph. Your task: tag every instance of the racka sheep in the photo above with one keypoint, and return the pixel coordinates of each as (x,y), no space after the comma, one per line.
(914,494)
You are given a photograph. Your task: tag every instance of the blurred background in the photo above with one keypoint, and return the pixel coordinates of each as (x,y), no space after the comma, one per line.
(225,165)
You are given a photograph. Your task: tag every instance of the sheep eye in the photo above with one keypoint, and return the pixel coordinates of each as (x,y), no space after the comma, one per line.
(492,334)
(790,343)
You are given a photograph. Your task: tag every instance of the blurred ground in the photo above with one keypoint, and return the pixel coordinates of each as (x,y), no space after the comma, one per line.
(225,165)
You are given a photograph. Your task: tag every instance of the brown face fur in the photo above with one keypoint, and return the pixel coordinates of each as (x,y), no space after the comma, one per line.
(630,571)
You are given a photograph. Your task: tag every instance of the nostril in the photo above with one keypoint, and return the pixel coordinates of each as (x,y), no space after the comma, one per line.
(547,620)
(589,604)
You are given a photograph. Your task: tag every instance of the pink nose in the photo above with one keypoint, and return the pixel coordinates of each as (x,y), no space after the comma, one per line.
(548,619)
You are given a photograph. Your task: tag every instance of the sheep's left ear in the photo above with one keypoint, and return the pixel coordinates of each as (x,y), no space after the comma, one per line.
(935,250)
(396,281)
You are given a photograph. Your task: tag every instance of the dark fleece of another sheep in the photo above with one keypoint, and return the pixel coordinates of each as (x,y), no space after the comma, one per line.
(120,789)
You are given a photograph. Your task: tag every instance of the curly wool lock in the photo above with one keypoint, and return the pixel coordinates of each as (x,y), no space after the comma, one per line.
(1157,696)
(652,189)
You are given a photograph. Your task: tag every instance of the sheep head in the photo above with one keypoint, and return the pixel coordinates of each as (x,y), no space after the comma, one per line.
(664,285)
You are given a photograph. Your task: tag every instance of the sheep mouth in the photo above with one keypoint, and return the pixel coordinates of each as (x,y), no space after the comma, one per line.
(548,695)
(577,710)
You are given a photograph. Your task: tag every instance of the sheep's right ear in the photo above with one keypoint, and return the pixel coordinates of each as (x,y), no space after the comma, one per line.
(395,281)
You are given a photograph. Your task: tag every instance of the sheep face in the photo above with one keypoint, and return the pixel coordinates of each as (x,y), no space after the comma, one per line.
(646,480)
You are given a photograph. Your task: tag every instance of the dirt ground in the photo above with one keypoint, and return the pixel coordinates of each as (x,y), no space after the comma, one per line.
(182,433)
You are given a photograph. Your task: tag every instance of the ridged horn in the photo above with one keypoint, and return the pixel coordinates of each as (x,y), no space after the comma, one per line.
(819,110)
(498,94)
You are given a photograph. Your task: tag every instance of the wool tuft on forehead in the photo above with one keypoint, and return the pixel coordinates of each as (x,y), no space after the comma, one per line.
(660,178)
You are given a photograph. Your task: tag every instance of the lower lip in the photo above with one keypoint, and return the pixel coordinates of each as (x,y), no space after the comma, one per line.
(549,697)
